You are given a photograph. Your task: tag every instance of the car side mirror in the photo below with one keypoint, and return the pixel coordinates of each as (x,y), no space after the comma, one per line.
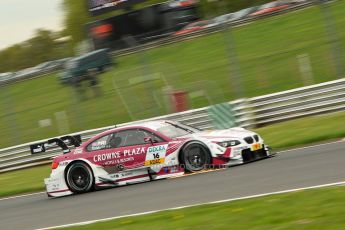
(148,140)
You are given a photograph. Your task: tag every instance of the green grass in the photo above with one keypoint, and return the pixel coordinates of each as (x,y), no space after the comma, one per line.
(283,135)
(267,53)
(304,131)
(308,209)
(23,181)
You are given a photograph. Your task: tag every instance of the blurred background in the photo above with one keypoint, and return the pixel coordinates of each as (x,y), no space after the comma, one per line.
(119,61)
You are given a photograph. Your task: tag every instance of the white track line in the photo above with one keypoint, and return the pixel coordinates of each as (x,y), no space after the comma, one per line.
(19,196)
(312,146)
(193,205)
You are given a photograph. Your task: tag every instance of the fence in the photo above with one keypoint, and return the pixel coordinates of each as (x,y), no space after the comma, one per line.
(252,112)
(169,40)
(210,30)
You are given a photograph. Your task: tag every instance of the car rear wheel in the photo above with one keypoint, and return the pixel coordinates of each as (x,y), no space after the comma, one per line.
(195,157)
(79,177)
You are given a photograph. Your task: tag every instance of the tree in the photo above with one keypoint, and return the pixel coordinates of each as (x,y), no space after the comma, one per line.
(76,16)
(38,49)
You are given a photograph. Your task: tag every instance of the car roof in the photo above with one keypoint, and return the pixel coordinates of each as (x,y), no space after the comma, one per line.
(154,125)
(147,124)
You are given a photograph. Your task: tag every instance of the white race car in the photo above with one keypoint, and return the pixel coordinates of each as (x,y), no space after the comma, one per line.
(143,152)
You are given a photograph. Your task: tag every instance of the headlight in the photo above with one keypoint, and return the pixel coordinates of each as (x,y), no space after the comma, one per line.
(226,144)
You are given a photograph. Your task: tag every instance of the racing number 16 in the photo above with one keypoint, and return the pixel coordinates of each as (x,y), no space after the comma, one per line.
(156,155)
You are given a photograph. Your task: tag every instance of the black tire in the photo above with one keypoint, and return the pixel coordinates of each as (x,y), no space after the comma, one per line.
(79,178)
(195,157)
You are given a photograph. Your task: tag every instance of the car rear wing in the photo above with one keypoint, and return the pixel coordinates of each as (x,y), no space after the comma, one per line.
(62,142)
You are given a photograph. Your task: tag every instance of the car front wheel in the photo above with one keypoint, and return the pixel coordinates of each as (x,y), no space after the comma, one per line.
(195,157)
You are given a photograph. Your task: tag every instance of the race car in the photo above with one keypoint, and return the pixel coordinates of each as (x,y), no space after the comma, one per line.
(143,152)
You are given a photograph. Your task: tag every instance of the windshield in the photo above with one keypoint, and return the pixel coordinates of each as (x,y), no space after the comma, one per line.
(173,130)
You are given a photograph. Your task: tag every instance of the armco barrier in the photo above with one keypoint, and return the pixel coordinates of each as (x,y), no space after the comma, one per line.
(253,112)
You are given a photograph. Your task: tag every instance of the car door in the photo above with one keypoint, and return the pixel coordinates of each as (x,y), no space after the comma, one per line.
(99,152)
(128,149)
(136,152)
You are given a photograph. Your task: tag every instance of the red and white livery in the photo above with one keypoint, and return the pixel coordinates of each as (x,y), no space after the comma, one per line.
(149,151)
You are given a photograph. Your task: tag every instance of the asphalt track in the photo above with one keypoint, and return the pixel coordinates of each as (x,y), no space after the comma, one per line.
(289,170)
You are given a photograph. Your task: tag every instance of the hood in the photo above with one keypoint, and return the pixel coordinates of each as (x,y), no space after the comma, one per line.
(222,135)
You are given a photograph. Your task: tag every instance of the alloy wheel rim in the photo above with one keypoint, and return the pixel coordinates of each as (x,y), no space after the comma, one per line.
(79,178)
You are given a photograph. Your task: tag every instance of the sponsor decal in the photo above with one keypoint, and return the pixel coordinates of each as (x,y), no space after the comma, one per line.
(63,163)
(118,161)
(155,155)
(174,169)
(120,167)
(114,176)
(54,187)
(78,151)
(106,156)
(155,149)
(133,151)
(98,145)
(256,146)
(40,148)
(155,162)
(125,174)
(113,158)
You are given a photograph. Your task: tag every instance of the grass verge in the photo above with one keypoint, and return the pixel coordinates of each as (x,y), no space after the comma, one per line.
(23,181)
(309,209)
(304,131)
(283,135)
(268,54)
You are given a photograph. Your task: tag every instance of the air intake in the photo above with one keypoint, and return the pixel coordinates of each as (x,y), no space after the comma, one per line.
(249,140)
